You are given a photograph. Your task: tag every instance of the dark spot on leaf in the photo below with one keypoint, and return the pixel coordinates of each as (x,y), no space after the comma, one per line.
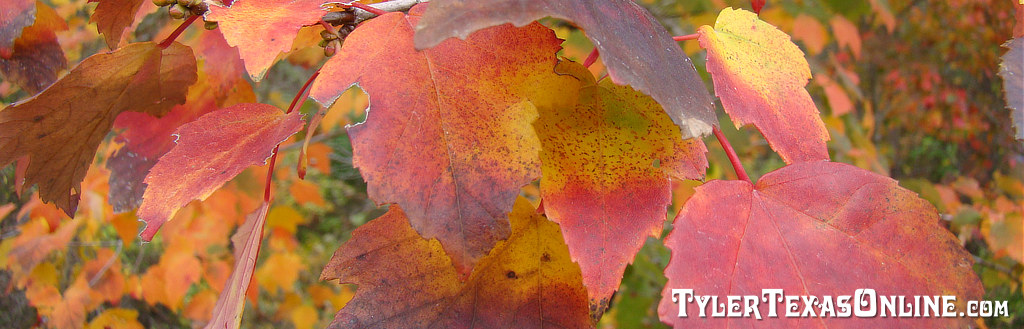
(511,275)
(545,258)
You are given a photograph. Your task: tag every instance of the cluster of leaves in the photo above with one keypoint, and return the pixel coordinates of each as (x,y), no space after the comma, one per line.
(460,129)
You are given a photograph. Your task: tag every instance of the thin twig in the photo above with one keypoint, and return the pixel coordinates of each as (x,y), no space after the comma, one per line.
(733,158)
(994,266)
(103,270)
(177,32)
(381,7)
(314,139)
(685,37)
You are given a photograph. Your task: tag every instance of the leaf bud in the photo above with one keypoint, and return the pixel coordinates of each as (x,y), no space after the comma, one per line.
(198,9)
(161,3)
(331,49)
(327,35)
(177,11)
(345,30)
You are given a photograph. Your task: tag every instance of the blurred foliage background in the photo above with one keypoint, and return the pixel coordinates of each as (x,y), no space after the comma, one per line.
(907,88)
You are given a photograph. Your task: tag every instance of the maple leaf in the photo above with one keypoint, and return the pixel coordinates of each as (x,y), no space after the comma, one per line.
(104,273)
(846,34)
(814,228)
(759,74)
(146,138)
(61,127)
(224,68)
(641,54)
(449,138)
(116,318)
(280,271)
(36,56)
(210,151)
(285,218)
(1011,69)
(227,312)
(607,164)
(262,29)
(807,29)
(304,192)
(35,243)
(838,100)
(74,305)
(405,281)
(113,17)
(15,16)
(170,279)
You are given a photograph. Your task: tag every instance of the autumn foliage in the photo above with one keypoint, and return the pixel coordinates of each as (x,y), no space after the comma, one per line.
(498,163)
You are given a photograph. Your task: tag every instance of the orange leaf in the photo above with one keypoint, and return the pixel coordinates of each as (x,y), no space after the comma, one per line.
(71,311)
(199,306)
(846,34)
(449,136)
(60,128)
(168,281)
(209,152)
(814,229)
(607,168)
(304,317)
(227,313)
(36,56)
(5,210)
(837,98)
(331,298)
(224,69)
(406,281)
(286,218)
(104,274)
(259,41)
(811,32)
(304,193)
(760,75)
(113,17)
(122,318)
(641,54)
(319,157)
(34,244)
(127,226)
(280,271)
(15,16)
(884,14)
